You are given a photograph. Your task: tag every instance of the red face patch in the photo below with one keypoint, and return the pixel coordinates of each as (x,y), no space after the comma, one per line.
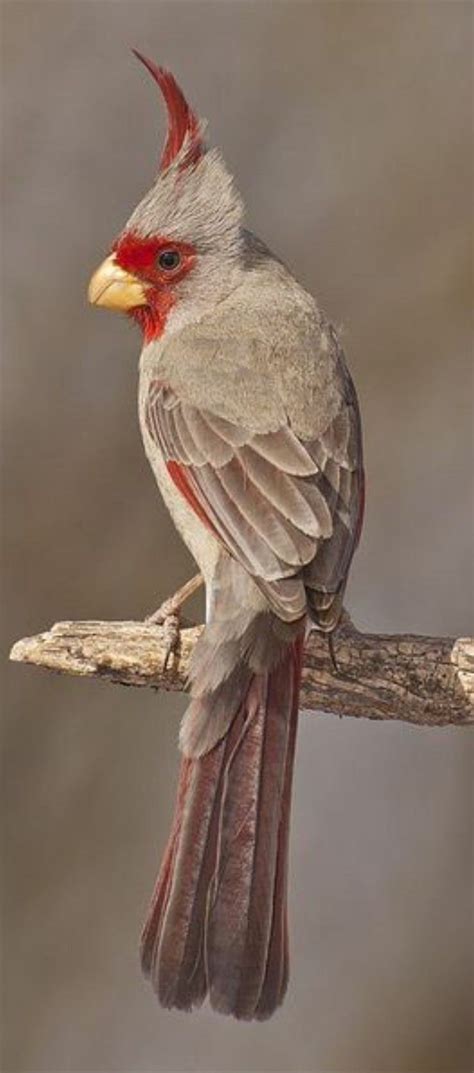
(160,263)
(146,258)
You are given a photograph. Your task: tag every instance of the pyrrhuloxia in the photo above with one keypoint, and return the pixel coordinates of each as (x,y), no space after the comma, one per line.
(250,422)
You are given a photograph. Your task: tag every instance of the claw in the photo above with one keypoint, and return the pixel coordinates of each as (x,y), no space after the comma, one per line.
(332,653)
(168,615)
(340,671)
(170,637)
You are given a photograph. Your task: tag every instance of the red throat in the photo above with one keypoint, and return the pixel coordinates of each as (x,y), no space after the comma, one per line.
(152,318)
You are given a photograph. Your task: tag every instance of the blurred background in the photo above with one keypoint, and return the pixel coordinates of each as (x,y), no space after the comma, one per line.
(348,128)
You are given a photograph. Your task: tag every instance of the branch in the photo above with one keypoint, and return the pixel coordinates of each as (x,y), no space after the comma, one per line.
(428,681)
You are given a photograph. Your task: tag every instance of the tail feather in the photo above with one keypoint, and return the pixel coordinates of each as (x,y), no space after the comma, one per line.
(241,919)
(277,970)
(172,938)
(218,919)
(163,884)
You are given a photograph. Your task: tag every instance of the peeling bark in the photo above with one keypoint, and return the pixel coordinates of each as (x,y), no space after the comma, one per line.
(428,681)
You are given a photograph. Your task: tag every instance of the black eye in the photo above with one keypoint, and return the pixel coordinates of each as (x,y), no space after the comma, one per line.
(169,259)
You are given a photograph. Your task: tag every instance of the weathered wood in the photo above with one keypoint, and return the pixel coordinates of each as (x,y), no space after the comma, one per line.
(428,681)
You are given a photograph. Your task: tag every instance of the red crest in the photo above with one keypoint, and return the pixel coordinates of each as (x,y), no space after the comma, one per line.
(182,121)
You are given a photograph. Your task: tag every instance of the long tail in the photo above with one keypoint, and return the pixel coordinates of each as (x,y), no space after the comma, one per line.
(218,920)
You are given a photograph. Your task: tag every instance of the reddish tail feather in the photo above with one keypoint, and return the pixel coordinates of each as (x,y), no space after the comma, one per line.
(217,923)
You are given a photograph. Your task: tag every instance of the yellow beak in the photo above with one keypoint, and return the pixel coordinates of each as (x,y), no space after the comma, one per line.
(114,288)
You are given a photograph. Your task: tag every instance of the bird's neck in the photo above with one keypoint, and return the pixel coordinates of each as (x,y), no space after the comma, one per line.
(152,319)
(169,311)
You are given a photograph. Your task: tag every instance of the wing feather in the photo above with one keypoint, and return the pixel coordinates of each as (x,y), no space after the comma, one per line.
(236,435)
(286,494)
(287,509)
(291,546)
(237,533)
(182,445)
(212,447)
(284,450)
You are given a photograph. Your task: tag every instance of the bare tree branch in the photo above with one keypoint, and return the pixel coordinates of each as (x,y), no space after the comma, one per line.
(428,681)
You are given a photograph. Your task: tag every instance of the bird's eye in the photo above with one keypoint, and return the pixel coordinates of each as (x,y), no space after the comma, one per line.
(169,259)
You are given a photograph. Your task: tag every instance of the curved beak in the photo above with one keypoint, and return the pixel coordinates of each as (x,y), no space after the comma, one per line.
(114,288)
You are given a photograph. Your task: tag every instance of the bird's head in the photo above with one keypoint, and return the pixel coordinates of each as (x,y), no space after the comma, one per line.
(179,252)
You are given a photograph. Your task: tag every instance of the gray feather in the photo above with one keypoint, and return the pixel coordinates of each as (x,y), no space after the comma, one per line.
(284,450)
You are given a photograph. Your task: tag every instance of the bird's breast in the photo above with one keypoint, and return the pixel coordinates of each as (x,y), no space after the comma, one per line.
(199,540)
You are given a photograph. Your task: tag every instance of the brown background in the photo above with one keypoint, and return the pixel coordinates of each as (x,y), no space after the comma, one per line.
(347,125)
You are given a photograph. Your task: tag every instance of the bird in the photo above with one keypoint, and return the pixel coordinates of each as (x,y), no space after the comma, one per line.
(251,424)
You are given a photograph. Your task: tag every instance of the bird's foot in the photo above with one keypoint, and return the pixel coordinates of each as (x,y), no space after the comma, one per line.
(332,653)
(168,615)
(344,627)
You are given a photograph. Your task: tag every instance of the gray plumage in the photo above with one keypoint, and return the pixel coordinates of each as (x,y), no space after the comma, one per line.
(251,425)
(255,403)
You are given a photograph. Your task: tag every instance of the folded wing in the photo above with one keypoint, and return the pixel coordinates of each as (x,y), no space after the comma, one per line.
(288,510)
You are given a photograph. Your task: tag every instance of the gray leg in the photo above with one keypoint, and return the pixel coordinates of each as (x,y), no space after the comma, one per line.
(169,613)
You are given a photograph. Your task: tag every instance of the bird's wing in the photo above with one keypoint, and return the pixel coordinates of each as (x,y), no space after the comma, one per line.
(283,507)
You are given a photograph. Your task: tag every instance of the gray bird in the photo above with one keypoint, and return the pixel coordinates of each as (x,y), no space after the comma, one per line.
(250,422)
